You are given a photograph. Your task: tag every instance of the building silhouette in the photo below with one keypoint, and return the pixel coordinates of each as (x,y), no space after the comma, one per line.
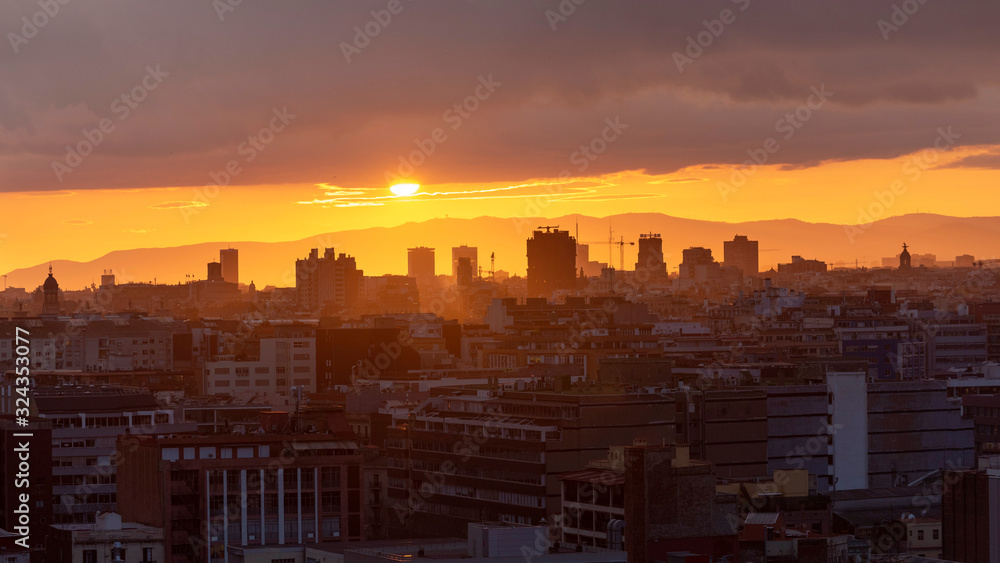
(328,280)
(420,263)
(230,260)
(904,258)
(50,295)
(650,259)
(741,253)
(214,273)
(470,252)
(551,261)
(464,274)
(696,258)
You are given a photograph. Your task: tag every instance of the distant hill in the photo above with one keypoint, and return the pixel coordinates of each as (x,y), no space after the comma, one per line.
(383,250)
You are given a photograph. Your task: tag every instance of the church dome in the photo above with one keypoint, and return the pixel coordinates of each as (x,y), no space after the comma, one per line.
(50,283)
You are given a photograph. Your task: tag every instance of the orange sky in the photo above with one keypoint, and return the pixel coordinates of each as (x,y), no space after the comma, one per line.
(83,225)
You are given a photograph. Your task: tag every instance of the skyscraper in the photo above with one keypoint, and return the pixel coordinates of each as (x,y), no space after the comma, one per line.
(230,259)
(420,263)
(650,260)
(330,280)
(551,262)
(470,252)
(741,253)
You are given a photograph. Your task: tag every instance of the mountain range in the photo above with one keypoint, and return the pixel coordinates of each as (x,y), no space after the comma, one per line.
(383,250)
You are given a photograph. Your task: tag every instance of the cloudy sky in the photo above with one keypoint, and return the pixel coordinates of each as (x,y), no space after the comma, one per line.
(120,119)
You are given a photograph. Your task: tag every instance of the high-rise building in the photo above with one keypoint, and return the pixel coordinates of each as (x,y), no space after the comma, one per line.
(551,262)
(464,274)
(650,262)
(470,252)
(330,280)
(698,263)
(214,273)
(230,259)
(420,263)
(741,253)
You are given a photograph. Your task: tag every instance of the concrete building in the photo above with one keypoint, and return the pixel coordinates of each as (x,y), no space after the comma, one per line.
(463,251)
(463,456)
(107,539)
(671,505)
(420,263)
(85,422)
(282,363)
(230,261)
(551,262)
(650,262)
(743,254)
(970,510)
(328,281)
(211,492)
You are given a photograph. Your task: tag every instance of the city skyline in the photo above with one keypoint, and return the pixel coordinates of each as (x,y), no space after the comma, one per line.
(846,130)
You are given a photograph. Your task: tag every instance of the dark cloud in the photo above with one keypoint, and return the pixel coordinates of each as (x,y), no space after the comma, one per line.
(355,121)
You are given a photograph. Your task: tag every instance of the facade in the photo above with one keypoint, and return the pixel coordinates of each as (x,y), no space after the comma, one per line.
(743,254)
(328,281)
(85,424)
(800,265)
(463,251)
(282,363)
(970,515)
(108,539)
(461,457)
(214,273)
(650,262)
(229,259)
(551,262)
(420,263)
(211,492)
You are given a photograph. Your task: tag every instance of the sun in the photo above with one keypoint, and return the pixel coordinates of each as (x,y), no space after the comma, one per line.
(405,189)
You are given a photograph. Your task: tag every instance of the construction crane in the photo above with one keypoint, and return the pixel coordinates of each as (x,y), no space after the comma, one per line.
(621,248)
(611,242)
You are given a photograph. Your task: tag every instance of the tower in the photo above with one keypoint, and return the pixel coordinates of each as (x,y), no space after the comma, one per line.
(230,260)
(741,253)
(420,263)
(50,291)
(551,262)
(904,258)
(470,252)
(651,256)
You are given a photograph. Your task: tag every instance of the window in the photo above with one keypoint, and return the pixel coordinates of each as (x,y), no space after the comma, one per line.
(90,556)
(936,534)
(147,555)
(920,534)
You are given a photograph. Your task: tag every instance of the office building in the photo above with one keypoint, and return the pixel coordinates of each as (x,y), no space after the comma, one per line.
(214,273)
(741,253)
(328,281)
(420,263)
(470,252)
(650,262)
(211,492)
(230,260)
(551,262)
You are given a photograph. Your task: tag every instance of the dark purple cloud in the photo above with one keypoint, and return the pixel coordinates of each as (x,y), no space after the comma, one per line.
(223,80)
